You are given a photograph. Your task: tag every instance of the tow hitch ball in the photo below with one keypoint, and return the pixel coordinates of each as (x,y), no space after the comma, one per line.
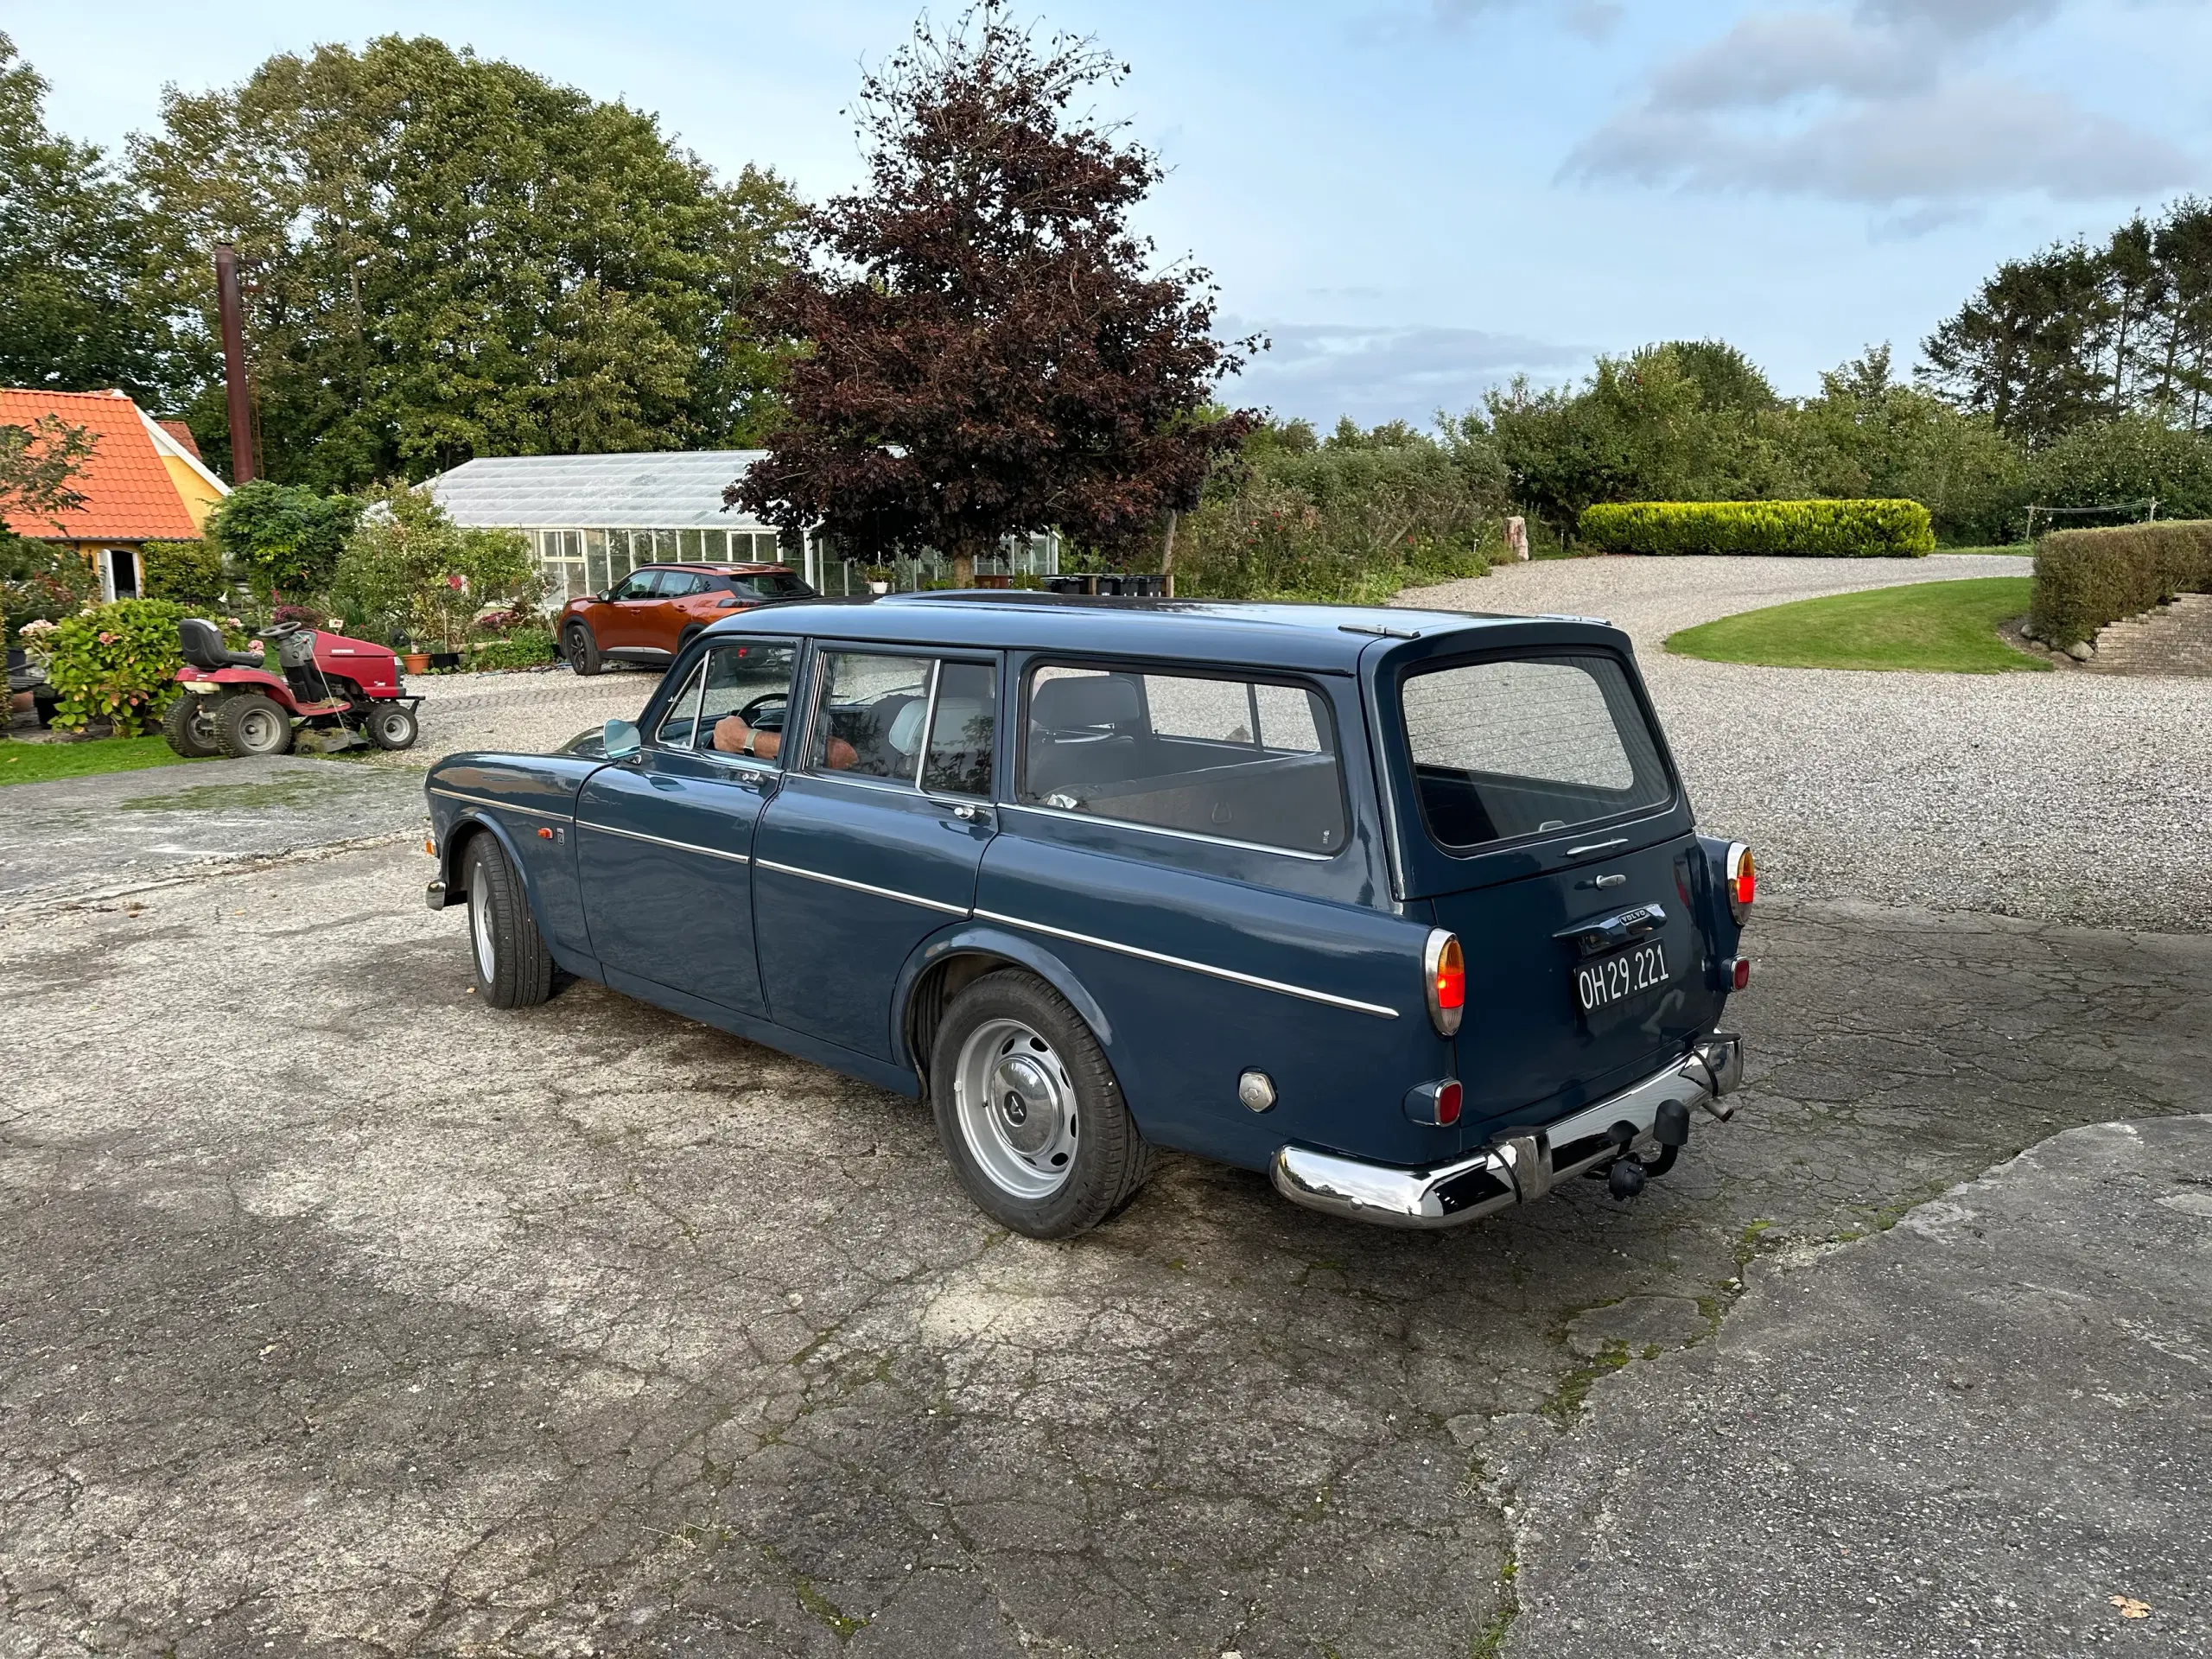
(1670,1128)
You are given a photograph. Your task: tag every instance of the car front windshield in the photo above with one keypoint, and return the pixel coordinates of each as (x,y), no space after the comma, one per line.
(1510,748)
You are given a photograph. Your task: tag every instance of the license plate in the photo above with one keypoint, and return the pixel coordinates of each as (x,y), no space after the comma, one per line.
(1608,979)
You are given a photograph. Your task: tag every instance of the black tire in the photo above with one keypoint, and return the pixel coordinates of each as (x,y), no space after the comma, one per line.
(189,730)
(520,972)
(250,724)
(391,726)
(684,640)
(1004,1020)
(582,650)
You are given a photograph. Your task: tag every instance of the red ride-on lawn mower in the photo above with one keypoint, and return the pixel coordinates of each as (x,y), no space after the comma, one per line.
(233,705)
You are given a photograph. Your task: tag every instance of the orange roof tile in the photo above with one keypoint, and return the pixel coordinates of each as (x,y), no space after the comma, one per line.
(128,494)
(182,433)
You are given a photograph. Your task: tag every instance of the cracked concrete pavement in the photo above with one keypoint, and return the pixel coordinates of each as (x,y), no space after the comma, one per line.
(341,1314)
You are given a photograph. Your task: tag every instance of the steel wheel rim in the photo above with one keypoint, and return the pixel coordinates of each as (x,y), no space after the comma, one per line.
(479,928)
(392,725)
(1017,1108)
(258,730)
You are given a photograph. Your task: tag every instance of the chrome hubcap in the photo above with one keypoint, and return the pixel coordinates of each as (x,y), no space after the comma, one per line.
(480,927)
(1017,1108)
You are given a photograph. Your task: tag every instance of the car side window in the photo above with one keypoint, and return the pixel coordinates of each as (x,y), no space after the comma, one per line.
(682,584)
(680,724)
(919,720)
(745,706)
(639,584)
(1225,756)
(963,729)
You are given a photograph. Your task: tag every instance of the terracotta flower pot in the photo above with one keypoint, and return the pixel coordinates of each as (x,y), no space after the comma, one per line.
(418,662)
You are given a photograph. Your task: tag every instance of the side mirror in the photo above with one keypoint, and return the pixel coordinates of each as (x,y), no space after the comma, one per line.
(620,739)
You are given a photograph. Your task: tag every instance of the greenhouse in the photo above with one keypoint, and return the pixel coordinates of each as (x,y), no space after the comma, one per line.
(592,518)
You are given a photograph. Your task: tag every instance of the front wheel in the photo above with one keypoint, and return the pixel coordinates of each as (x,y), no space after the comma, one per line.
(514,968)
(250,724)
(581,649)
(391,726)
(1029,1110)
(189,730)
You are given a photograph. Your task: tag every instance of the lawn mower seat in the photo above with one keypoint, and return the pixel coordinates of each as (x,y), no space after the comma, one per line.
(203,646)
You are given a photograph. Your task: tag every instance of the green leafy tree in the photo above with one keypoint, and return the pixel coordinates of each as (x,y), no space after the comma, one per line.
(453,257)
(2126,464)
(75,251)
(408,568)
(284,538)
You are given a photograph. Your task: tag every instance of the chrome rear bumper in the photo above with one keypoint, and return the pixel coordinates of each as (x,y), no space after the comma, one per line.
(1518,1164)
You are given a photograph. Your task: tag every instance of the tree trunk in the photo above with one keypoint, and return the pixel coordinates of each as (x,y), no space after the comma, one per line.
(1167,556)
(963,569)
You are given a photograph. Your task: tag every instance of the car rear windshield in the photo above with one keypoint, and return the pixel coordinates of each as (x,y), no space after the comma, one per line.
(1531,746)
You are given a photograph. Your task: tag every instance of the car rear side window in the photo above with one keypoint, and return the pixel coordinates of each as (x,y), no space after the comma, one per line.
(918,721)
(1223,756)
(1516,746)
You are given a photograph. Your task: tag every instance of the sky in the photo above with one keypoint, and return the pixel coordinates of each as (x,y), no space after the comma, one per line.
(1416,199)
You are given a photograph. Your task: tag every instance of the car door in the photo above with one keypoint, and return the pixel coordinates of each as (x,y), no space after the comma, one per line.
(874,843)
(665,841)
(621,622)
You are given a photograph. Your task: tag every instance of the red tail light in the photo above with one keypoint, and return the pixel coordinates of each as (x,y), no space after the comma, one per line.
(1445,970)
(1737,971)
(1448,1104)
(1743,881)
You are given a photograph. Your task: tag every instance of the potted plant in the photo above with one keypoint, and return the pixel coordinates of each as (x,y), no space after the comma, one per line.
(879,578)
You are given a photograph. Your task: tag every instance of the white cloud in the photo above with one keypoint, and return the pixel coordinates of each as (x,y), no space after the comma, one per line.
(1384,372)
(1883,105)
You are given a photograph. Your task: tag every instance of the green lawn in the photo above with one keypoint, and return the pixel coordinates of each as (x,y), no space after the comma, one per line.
(41,763)
(1947,626)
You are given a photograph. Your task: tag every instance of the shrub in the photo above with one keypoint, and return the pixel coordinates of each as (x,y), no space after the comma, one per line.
(41,582)
(1808,529)
(2087,578)
(118,660)
(524,648)
(285,539)
(407,566)
(189,573)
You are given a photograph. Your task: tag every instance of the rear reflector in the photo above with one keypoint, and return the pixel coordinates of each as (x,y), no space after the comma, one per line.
(1434,1105)
(1739,973)
(1447,1103)
(1446,971)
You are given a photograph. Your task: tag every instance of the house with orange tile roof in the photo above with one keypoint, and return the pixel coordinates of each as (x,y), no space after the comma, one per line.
(143,482)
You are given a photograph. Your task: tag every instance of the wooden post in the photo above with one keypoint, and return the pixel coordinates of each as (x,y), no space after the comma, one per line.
(1516,536)
(1167,558)
(232,315)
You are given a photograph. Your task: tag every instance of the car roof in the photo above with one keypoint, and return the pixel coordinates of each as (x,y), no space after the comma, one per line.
(1313,636)
(753,570)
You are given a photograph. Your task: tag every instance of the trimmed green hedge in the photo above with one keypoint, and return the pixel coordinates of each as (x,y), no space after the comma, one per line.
(2088,578)
(1834,529)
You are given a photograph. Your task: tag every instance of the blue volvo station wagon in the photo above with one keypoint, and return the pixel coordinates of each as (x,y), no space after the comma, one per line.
(1406,908)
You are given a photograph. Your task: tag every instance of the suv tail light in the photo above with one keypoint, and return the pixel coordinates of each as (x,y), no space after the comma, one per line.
(1445,970)
(1743,881)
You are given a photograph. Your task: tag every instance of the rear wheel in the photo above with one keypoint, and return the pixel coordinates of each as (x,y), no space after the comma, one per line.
(582,650)
(1029,1110)
(250,724)
(514,968)
(189,730)
(391,726)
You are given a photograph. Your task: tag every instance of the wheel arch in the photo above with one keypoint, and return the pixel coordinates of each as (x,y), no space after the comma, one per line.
(945,964)
(453,858)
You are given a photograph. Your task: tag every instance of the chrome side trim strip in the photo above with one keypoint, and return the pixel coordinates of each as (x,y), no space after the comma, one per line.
(1100,820)
(663,841)
(862,886)
(1206,968)
(503,806)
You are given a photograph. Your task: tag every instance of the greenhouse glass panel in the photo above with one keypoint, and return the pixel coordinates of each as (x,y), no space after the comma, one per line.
(690,546)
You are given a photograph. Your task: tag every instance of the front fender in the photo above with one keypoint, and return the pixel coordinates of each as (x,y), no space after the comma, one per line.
(985,938)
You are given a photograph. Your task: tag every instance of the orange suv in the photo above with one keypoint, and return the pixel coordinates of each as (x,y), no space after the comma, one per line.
(648,615)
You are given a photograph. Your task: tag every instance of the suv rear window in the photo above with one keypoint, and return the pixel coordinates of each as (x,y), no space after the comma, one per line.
(1224,757)
(1529,746)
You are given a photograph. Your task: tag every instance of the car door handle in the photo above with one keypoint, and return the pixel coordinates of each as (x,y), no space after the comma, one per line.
(969,814)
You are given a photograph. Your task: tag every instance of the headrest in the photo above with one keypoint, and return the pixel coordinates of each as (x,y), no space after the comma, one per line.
(960,723)
(1086,700)
(906,734)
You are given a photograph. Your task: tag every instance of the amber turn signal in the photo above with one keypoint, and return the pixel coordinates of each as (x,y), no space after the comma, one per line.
(1445,970)
(430,847)
(1743,881)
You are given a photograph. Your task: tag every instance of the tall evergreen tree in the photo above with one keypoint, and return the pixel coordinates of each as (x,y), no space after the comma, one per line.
(74,256)
(450,257)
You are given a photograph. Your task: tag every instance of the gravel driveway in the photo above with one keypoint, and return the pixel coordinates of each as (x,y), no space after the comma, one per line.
(2075,798)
